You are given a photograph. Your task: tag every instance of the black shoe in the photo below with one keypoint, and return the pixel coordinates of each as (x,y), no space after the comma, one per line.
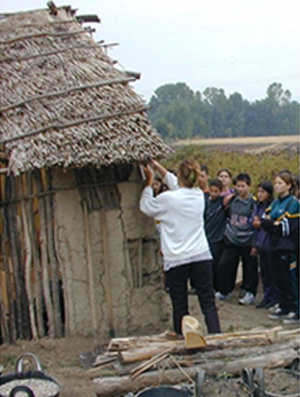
(270,304)
(261,305)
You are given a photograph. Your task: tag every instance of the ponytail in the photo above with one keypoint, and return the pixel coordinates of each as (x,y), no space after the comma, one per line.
(189,173)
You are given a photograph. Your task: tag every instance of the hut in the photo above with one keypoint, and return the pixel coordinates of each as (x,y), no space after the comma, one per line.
(78,257)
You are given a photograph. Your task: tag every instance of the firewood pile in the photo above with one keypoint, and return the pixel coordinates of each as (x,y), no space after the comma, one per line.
(135,363)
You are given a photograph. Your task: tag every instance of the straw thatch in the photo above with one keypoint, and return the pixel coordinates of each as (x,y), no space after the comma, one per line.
(63,102)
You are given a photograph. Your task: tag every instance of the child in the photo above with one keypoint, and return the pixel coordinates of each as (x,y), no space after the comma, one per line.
(158,186)
(225,177)
(215,222)
(203,180)
(262,245)
(239,235)
(278,224)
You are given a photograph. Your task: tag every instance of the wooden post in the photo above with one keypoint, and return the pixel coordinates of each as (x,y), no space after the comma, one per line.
(8,280)
(27,268)
(38,288)
(52,258)
(90,265)
(44,256)
(107,274)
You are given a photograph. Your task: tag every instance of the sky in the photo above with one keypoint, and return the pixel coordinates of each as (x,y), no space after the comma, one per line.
(238,45)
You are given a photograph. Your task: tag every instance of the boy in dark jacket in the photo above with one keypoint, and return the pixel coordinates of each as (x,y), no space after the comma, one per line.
(215,218)
(239,238)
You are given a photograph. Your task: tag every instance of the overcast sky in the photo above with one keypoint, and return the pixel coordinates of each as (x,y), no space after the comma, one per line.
(238,45)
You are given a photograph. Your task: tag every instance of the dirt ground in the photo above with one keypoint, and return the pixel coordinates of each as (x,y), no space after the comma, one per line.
(60,358)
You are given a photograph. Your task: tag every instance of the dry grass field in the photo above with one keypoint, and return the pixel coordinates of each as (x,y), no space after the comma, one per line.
(241,141)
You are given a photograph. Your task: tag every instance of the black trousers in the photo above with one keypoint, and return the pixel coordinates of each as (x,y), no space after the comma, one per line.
(200,274)
(282,278)
(228,265)
(216,250)
(266,275)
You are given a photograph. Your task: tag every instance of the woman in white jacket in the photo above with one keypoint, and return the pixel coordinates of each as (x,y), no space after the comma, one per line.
(183,241)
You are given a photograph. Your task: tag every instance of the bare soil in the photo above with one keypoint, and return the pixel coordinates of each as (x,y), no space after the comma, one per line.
(60,358)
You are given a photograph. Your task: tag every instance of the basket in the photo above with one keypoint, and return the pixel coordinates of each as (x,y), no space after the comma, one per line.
(27,381)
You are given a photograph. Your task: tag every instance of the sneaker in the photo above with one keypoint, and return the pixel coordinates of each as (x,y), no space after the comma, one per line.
(273,308)
(248,299)
(242,293)
(278,314)
(221,297)
(291,318)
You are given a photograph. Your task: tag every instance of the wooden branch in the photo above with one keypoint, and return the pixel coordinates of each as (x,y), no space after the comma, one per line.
(52,258)
(66,91)
(38,290)
(47,54)
(149,364)
(44,258)
(38,25)
(8,279)
(27,270)
(42,34)
(73,124)
(88,18)
(145,353)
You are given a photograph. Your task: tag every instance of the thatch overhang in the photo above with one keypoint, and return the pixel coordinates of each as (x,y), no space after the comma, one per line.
(63,102)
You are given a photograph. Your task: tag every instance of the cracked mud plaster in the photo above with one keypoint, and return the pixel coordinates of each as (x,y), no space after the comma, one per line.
(134,309)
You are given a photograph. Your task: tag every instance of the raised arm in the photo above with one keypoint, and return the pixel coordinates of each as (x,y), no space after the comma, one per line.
(159,168)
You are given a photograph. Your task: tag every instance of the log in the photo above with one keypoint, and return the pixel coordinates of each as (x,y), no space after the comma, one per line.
(146,353)
(193,333)
(273,334)
(204,355)
(114,386)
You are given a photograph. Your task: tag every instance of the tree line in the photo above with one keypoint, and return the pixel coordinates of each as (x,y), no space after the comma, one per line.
(178,112)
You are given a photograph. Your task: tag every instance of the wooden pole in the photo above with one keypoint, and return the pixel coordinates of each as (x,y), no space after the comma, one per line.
(27,268)
(38,288)
(107,274)
(8,280)
(44,257)
(52,258)
(90,265)
(15,257)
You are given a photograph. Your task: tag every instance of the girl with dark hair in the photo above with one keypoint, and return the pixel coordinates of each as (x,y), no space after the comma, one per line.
(282,244)
(262,245)
(185,249)
(225,177)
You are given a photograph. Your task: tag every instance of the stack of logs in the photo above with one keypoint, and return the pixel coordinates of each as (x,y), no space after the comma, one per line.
(147,361)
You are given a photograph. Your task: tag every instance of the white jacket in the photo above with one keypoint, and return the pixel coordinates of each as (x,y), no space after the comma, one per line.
(180,212)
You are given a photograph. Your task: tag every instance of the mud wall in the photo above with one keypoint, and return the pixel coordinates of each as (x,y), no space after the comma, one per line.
(139,304)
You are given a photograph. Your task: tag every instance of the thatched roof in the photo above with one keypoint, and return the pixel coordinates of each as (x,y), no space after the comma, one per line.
(65,100)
